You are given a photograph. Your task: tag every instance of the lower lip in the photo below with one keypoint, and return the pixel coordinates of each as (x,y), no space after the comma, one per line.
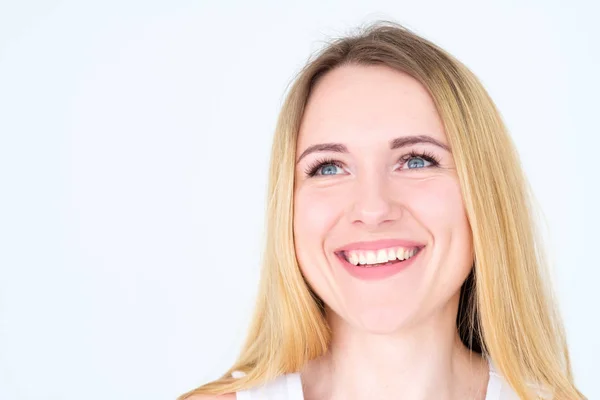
(375,273)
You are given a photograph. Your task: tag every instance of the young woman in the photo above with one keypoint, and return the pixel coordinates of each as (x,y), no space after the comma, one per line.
(401,259)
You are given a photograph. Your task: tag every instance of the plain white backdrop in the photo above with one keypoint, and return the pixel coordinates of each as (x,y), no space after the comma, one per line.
(134,144)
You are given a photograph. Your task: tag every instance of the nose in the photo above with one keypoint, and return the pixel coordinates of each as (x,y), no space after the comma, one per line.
(373,203)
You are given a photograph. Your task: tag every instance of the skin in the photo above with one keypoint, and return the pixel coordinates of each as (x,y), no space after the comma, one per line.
(395,336)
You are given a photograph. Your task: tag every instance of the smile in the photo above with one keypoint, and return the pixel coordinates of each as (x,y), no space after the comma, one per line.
(378,264)
(373,258)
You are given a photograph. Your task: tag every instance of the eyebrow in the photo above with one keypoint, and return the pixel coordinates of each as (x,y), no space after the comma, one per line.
(394,144)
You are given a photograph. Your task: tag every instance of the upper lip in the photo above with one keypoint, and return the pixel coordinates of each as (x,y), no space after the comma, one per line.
(380,244)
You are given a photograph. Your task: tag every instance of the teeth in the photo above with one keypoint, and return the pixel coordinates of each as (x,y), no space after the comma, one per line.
(391,254)
(353,258)
(400,254)
(361,258)
(370,257)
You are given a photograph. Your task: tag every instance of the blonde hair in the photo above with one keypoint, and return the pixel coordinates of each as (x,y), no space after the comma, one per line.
(506,311)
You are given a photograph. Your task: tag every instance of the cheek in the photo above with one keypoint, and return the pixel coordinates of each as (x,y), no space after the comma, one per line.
(438,206)
(314,215)
(438,203)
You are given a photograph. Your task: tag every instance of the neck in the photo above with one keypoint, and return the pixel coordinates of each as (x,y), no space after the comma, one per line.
(422,362)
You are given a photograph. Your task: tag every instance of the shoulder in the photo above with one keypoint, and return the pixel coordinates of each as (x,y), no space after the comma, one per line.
(228,396)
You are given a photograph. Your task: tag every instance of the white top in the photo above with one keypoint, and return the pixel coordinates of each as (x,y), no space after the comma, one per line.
(289,387)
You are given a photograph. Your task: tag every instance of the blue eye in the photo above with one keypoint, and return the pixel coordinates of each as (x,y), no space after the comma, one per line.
(412,161)
(328,169)
(324,168)
(416,162)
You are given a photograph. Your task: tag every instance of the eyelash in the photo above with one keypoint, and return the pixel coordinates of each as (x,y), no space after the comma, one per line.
(312,169)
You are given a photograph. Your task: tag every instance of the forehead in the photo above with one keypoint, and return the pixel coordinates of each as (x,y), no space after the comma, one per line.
(363,105)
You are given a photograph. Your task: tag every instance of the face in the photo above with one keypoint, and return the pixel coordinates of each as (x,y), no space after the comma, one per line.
(381,233)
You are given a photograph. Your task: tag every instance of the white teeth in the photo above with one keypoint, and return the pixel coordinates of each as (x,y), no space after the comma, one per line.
(391,254)
(400,253)
(370,257)
(353,258)
(382,256)
(361,258)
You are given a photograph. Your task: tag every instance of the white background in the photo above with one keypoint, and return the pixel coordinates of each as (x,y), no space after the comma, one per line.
(134,144)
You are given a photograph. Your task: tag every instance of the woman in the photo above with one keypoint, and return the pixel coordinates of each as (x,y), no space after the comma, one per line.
(401,257)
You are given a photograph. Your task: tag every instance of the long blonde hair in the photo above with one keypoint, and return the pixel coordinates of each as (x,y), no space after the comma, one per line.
(506,311)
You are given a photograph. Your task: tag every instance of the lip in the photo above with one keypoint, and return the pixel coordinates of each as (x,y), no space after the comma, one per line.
(380,244)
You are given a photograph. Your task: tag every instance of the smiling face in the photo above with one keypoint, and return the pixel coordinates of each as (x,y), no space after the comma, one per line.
(374,184)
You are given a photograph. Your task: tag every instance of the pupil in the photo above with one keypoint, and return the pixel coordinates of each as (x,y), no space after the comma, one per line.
(419,162)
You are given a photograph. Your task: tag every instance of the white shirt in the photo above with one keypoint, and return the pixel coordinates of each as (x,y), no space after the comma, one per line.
(289,387)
